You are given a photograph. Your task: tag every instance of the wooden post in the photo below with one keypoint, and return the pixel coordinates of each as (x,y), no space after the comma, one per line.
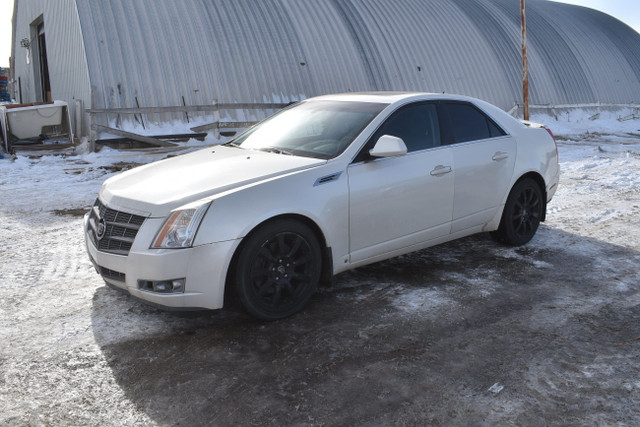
(525,62)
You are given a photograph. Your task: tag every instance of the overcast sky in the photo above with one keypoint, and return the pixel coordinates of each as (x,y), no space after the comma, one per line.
(626,10)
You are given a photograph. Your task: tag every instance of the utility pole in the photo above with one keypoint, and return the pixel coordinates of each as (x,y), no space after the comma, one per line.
(525,62)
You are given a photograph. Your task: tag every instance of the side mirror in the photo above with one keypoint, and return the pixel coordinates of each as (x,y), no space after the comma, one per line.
(388,146)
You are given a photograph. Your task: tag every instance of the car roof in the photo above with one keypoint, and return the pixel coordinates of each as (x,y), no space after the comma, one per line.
(390,97)
(395,99)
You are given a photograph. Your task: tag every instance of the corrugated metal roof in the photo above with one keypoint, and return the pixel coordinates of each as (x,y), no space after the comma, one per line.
(167,52)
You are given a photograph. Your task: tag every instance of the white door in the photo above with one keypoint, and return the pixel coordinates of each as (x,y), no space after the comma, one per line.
(398,202)
(483,173)
(484,159)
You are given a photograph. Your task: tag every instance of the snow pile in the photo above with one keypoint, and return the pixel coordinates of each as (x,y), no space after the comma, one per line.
(58,182)
(574,124)
(599,158)
(147,127)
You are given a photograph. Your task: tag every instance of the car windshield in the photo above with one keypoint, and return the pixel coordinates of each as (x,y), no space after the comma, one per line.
(319,129)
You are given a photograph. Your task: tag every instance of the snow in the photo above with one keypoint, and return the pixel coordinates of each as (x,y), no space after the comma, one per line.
(54,304)
(582,123)
(601,155)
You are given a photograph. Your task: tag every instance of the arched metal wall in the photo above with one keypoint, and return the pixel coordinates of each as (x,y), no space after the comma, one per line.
(168,53)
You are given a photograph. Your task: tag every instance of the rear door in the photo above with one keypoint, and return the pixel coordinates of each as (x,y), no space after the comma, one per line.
(484,159)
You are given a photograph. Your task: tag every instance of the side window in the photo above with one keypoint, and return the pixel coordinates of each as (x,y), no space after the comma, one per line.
(495,130)
(416,124)
(470,124)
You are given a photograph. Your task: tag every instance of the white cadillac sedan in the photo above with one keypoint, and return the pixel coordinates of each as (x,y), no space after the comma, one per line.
(326,185)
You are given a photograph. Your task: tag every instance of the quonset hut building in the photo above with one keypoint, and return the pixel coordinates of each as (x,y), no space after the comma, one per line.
(119,54)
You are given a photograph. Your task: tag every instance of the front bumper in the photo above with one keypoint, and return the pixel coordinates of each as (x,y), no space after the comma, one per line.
(204,269)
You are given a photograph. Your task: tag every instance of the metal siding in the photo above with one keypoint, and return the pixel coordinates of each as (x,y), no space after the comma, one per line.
(542,88)
(24,13)
(360,31)
(578,55)
(560,56)
(283,50)
(165,52)
(68,71)
(468,62)
(596,47)
(502,37)
(333,57)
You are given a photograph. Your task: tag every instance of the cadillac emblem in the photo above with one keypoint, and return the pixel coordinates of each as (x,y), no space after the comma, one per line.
(102,229)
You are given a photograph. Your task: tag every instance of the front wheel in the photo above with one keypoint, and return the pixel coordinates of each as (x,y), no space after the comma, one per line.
(522,214)
(278,269)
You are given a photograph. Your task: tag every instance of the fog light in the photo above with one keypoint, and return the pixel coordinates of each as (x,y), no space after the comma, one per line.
(162,287)
(175,286)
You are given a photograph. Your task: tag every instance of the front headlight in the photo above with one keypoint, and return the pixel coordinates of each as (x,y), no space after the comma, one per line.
(180,228)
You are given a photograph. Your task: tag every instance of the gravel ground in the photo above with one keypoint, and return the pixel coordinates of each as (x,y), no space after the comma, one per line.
(466,333)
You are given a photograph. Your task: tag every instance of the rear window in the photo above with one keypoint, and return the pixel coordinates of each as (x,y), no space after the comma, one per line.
(469,123)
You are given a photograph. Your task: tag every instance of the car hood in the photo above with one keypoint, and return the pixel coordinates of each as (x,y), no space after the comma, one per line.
(157,188)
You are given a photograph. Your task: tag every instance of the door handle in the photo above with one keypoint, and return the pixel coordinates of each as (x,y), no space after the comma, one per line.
(500,155)
(440,170)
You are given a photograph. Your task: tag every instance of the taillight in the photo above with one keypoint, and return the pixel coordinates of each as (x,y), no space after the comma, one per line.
(551,133)
(554,139)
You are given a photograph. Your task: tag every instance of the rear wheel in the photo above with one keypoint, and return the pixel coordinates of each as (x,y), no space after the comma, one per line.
(278,269)
(522,214)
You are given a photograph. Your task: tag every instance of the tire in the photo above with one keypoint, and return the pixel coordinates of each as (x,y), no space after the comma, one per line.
(278,269)
(522,214)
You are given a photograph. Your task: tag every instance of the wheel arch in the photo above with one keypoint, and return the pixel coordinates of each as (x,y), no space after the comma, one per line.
(327,257)
(540,181)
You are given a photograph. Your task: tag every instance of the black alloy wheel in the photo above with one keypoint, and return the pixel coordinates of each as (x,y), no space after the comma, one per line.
(278,269)
(522,214)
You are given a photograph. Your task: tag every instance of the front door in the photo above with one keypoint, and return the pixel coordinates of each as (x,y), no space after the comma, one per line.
(404,201)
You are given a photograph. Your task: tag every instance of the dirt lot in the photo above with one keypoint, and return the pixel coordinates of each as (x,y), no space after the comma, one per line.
(467,333)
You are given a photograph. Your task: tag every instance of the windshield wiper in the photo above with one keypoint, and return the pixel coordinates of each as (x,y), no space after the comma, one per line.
(232,144)
(276,150)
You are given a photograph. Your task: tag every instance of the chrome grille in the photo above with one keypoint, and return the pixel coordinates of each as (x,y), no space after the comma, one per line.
(113,231)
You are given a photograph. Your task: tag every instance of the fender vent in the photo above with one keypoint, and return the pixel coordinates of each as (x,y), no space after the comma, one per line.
(327,179)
